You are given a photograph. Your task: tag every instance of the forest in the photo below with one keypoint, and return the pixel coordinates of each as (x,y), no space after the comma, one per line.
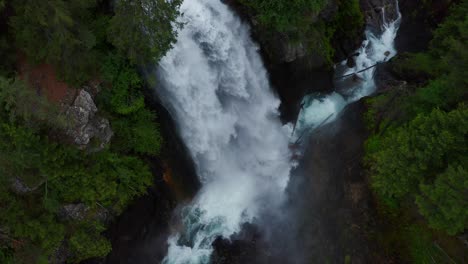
(417,152)
(84,41)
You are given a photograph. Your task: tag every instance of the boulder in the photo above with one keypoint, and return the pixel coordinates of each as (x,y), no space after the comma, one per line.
(84,124)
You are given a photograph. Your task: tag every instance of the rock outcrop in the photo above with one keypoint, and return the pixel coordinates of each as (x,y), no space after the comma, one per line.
(83,124)
(376,10)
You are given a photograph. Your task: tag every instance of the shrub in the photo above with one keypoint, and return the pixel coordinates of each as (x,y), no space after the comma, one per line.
(138,133)
(124,96)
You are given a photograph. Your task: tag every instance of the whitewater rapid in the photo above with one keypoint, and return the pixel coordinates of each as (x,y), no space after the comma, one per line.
(216,88)
(379,47)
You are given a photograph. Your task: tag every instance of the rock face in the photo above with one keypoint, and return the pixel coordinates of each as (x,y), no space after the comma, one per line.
(420,18)
(278,47)
(329,211)
(84,124)
(292,51)
(375,10)
(330,196)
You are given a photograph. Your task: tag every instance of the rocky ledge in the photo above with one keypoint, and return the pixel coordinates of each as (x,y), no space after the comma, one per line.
(84,125)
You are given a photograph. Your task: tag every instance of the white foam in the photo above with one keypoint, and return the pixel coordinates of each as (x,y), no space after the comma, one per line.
(216,88)
(374,49)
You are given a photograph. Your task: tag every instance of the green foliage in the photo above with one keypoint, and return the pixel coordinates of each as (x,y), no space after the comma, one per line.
(125,95)
(140,36)
(420,246)
(419,147)
(444,66)
(418,66)
(87,243)
(8,55)
(136,129)
(22,104)
(17,145)
(104,178)
(444,203)
(64,174)
(349,21)
(74,36)
(57,32)
(298,20)
(138,133)
(6,256)
(285,16)
(419,151)
(68,176)
(57,174)
(28,222)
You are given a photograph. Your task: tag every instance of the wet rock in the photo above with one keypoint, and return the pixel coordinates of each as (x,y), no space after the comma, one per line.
(375,10)
(246,246)
(351,62)
(84,124)
(292,51)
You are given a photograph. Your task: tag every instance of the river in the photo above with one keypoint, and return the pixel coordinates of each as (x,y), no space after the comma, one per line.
(216,88)
(214,84)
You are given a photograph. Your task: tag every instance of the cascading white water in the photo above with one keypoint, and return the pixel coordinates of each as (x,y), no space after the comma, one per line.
(318,109)
(217,90)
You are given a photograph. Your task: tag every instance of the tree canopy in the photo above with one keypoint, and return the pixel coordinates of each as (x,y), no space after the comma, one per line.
(418,151)
(41,172)
(144,30)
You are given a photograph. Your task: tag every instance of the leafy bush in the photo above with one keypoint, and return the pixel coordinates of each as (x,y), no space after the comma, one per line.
(8,55)
(141,37)
(6,256)
(444,202)
(74,37)
(285,16)
(87,242)
(56,174)
(124,96)
(420,154)
(297,19)
(138,133)
(57,32)
(23,105)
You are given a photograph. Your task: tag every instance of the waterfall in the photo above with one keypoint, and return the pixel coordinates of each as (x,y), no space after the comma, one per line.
(216,88)
(376,48)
